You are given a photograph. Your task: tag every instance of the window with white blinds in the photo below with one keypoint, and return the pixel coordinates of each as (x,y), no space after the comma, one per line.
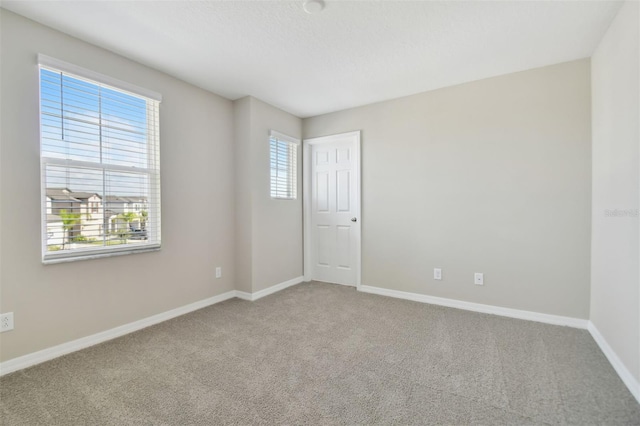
(100,164)
(283,161)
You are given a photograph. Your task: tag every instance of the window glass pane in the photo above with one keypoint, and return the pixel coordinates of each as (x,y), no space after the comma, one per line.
(69,120)
(124,129)
(109,197)
(283,157)
(73,217)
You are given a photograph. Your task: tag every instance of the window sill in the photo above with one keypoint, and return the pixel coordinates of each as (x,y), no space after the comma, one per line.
(49,260)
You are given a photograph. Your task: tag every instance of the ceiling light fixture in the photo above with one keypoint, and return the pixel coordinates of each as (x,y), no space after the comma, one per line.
(313,6)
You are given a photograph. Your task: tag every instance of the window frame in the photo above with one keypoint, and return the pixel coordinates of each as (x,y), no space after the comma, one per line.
(292,167)
(153,173)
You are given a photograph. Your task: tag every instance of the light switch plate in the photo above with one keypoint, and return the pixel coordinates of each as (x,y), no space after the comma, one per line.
(437,273)
(478,278)
(6,321)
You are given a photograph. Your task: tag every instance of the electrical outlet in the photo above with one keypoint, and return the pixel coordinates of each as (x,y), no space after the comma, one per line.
(478,278)
(218,272)
(6,321)
(437,273)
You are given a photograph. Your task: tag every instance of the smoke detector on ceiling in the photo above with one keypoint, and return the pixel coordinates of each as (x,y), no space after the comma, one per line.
(313,6)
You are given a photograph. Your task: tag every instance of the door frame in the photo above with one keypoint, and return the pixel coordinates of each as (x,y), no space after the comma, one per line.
(354,137)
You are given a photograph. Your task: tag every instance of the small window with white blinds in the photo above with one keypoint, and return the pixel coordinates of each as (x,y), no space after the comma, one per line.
(100,164)
(284,162)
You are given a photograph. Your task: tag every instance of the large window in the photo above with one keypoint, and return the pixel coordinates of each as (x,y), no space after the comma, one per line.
(100,164)
(283,161)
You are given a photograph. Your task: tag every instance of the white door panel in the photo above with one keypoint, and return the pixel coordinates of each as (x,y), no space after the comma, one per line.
(343,189)
(343,249)
(322,193)
(332,250)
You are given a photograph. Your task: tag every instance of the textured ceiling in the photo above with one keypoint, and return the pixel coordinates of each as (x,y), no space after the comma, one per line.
(351,54)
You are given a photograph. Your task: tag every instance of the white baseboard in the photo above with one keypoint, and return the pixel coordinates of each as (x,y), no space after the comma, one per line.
(627,378)
(477,307)
(38,357)
(269,290)
(34,358)
(244,295)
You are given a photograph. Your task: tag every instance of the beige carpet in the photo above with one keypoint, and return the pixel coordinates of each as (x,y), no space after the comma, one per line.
(325,354)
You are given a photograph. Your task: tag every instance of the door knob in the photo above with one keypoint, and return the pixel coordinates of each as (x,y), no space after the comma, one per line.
(353,219)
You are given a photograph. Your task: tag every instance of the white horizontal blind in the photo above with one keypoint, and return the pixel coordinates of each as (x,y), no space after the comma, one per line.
(283,162)
(99,149)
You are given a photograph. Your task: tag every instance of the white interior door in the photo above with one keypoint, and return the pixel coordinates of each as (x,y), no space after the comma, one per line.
(332,209)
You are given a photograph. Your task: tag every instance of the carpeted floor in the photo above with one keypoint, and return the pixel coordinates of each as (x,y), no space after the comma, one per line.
(325,354)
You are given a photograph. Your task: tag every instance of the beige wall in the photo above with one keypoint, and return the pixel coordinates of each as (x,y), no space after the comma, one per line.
(491,176)
(58,303)
(273,247)
(615,292)
(243,163)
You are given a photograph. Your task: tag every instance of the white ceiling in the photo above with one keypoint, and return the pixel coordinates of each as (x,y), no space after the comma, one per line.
(352,53)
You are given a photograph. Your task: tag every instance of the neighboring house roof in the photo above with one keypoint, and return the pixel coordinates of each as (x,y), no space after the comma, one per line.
(123,199)
(65,190)
(61,194)
(85,195)
(53,218)
(65,194)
